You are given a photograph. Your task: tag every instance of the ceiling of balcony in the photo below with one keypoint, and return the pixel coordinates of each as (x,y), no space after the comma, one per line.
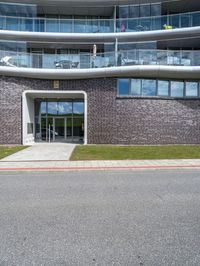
(92,3)
(104,7)
(180,6)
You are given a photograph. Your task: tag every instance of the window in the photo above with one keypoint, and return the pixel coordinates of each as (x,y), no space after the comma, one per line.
(123,86)
(135,87)
(149,87)
(177,88)
(191,89)
(134,11)
(123,11)
(163,88)
(155,9)
(145,10)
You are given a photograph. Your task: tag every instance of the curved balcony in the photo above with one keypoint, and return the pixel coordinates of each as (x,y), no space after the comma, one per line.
(134,63)
(168,22)
(100,60)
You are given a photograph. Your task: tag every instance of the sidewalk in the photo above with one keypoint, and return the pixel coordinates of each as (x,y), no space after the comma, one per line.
(62,165)
(42,152)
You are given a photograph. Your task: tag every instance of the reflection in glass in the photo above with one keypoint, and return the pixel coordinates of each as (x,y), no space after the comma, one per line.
(78,108)
(163,88)
(64,108)
(185,20)
(191,89)
(136,87)
(52,108)
(43,107)
(123,85)
(61,120)
(177,88)
(78,127)
(149,87)
(52,25)
(65,25)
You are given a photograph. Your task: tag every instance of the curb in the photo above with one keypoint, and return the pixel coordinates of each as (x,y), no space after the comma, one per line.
(101,168)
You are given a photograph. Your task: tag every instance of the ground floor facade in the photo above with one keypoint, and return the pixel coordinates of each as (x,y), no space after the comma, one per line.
(91,111)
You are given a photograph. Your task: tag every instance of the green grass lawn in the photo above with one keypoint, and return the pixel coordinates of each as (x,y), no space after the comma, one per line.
(8,150)
(109,152)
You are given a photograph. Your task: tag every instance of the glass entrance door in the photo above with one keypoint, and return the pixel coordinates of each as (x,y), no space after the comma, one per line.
(59,120)
(59,129)
(46,133)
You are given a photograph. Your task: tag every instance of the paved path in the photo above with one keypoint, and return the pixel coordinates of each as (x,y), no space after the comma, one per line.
(96,165)
(43,152)
(100,218)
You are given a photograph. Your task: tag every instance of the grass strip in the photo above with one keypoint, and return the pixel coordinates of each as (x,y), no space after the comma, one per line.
(111,152)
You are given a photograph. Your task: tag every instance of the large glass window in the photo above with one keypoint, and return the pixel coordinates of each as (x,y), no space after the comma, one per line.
(123,86)
(123,11)
(185,20)
(134,11)
(18,10)
(191,89)
(163,88)
(155,9)
(148,87)
(145,10)
(59,120)
(177,88)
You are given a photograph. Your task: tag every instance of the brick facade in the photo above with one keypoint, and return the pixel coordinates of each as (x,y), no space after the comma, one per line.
(111,119)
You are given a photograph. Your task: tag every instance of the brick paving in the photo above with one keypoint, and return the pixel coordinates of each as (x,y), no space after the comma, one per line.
(97,165)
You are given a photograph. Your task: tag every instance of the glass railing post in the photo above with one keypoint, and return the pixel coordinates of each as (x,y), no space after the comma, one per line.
(116,52)
(73,26)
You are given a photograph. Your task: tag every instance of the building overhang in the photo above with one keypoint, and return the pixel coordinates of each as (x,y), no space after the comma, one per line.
(143,71)
(100,37)
(78,3)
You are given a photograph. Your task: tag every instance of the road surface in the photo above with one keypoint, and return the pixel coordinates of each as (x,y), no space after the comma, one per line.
(100,218)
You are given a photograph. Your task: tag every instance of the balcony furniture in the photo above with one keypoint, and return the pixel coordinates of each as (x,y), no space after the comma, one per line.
(5,61)
(74,64)
(167,27)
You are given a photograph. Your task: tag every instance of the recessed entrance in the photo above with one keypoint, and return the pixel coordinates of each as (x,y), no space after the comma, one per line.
(54,116)
(59,120)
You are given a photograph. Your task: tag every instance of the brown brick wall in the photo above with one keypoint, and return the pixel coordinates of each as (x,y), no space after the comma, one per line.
(110,119)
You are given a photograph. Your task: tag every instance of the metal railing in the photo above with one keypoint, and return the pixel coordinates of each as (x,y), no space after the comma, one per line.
(59,25)
(101,60)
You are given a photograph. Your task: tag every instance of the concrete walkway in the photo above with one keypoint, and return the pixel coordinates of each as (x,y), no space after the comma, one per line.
(61,165)
(42,152)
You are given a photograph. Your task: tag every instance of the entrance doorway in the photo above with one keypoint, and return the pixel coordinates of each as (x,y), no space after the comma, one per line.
(59,128)
(59,121)
(41,107)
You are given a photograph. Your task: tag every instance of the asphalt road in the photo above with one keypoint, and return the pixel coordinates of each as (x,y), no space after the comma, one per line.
(100,218)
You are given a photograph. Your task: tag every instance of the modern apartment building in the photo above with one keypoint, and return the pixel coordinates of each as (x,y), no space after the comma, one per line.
(91,71)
